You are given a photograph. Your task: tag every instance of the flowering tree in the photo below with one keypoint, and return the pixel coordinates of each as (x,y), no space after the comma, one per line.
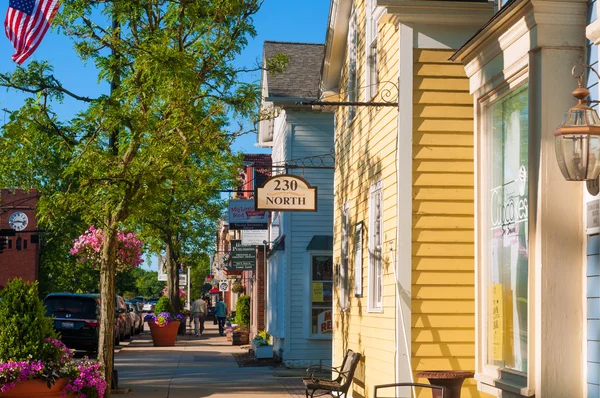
(88,247)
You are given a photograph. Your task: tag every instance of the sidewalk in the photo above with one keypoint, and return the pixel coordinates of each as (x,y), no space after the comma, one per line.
(195,367)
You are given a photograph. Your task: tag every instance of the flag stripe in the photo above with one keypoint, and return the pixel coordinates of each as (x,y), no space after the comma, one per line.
(25,31)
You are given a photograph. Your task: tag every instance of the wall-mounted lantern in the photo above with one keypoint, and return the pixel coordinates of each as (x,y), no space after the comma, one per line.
(577,138)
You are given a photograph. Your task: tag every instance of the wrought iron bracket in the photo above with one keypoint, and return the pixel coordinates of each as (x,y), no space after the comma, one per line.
(387,95)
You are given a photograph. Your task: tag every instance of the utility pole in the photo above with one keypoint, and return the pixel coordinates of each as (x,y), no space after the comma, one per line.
(188,289)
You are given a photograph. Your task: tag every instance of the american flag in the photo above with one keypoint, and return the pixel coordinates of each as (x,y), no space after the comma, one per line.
(26,24)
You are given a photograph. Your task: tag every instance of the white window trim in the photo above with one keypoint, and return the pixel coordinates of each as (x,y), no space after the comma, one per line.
(309,334)
(358,259)
(486,373)
(374,13)
(372,306)
(352,56)
(344,273)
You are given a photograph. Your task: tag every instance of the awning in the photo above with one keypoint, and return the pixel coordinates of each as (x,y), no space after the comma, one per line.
(320,242)
(214,290)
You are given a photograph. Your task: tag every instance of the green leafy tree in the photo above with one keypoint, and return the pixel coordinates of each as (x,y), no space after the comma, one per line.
(173,88)
(24,324)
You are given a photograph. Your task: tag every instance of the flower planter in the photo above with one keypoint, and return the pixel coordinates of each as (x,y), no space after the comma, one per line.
(164,336)
(36,388)
(263,351)
(238,338)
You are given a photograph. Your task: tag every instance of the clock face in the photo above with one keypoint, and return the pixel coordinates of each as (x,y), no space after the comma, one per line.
(18,221)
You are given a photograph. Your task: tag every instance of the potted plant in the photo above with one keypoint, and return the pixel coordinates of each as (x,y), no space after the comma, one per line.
(240,335)
(33,362)
(238,288)
(163,324)
(261,346)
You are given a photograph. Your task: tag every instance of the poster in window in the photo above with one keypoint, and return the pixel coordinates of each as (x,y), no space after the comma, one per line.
(324,320)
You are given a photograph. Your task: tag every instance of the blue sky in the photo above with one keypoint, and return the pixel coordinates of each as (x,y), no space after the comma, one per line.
(278,20)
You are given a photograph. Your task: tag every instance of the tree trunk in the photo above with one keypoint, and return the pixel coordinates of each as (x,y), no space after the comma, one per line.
(173,277)
(107,297)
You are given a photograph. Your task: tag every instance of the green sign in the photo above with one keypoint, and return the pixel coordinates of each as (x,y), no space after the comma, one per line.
(243,258)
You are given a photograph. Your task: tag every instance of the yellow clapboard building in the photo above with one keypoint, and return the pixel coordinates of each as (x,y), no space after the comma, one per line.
(403,210)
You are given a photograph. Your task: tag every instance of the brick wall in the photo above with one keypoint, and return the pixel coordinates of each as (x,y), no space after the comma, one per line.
(258,294)
(22,263)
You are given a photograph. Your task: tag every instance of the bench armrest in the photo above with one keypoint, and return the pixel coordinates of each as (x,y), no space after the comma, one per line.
(311,370)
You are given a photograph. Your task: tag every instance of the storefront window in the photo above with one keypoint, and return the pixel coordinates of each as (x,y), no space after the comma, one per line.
(322,295)
(507,231)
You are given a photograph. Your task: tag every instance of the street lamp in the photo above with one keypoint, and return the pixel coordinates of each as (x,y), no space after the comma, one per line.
(577,138)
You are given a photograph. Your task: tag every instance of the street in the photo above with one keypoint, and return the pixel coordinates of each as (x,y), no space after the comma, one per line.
(195,367)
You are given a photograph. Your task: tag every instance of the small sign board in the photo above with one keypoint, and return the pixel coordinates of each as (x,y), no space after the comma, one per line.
(223,285)
(242,215)
(243,258)
(255,237)
(286,192)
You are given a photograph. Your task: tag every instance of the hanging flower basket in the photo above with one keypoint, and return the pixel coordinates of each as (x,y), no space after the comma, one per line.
(36,388)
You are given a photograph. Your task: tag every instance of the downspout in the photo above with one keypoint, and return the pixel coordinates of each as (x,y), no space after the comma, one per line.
(404,166)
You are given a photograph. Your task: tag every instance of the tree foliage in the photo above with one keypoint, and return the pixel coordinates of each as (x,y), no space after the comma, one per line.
(174,88)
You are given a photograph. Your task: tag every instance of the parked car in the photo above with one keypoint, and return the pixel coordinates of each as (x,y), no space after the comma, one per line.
(125,320)
(77,318)
(138,319)
(149,306)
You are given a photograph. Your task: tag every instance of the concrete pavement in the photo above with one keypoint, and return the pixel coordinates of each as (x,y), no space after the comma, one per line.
(194,368)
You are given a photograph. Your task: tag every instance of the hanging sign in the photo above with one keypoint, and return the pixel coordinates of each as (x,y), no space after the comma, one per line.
(286,192)
(255,237)
(242,215)
(223,285)
(243,258)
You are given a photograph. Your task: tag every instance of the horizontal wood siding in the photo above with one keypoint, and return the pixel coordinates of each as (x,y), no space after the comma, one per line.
(310,134)
(443,309)
(366,154)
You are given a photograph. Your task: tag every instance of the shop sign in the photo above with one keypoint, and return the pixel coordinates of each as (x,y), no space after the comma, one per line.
(286,192)
(325,322)
(223,285)
(509,207)
(255,237)
(243,258)
(242,215)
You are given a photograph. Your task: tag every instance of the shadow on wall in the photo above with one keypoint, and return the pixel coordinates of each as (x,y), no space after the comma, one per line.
(357,169)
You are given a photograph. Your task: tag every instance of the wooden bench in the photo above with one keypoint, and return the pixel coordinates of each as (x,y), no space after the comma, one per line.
(342,377)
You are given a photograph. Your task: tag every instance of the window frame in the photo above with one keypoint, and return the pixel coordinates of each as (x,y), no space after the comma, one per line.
(344,275)
(371,49)
(373,286)
(491,375)
(352,61)
(310,334)
(358,259)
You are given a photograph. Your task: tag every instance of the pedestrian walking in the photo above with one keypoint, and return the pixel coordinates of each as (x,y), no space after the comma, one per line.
(199,314)
(221,313)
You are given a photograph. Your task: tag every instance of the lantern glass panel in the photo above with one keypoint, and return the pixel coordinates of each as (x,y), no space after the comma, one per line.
(577,154)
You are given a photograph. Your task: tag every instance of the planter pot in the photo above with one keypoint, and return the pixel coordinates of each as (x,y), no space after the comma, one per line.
(263,351)
(164,336)
(240,338)
(36,388)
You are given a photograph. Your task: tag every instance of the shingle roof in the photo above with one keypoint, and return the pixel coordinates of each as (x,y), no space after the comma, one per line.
(301,77)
